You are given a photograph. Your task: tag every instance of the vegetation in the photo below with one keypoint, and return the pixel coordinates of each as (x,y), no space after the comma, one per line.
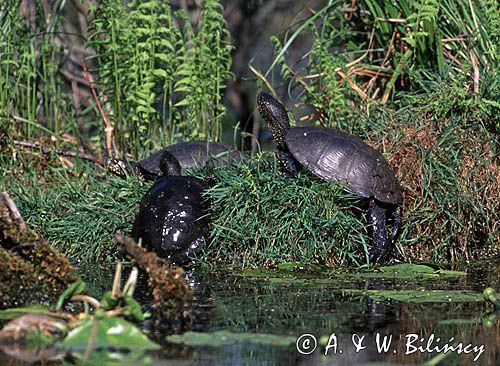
(159,77)
(103,328)
(31,101)
(78,211)
(376,48)
(417,80)
(31,269)
(420,82)
(150,57)
(260,218)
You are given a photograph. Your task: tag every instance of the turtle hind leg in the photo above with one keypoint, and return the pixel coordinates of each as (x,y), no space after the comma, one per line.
(381,246)
(186,256)
(396,224)
(395,231)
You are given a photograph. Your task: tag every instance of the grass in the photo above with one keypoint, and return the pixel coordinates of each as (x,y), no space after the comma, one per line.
(261,218)
(445,158)
(428,101)
(76,210)
(80,213)
(445,150)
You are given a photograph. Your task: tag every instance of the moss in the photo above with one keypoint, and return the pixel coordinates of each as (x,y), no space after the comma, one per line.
(171,293)
(31,271)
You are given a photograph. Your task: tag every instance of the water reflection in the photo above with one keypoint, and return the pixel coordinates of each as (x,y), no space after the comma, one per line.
(294,304)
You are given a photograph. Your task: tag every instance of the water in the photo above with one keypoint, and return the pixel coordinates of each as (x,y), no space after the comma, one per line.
(292,304)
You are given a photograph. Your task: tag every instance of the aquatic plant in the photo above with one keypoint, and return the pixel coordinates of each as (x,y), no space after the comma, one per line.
(373,49)
(149,57)
(31,97)
(102,328)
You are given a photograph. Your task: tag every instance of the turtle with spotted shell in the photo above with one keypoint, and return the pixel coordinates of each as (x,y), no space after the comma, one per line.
(172,219)
(336,156)
(188,154)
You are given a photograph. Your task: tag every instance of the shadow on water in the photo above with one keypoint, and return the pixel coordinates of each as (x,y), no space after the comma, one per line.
(235,313)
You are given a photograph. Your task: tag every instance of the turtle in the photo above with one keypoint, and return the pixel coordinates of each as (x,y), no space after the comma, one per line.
(336,156)
(188,155)
(172,219)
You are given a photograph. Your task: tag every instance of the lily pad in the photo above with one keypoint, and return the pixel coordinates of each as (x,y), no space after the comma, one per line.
(417,296)
(105,333)
(408,268)
(409,271)
(403,271)
(301,267)
(224,338)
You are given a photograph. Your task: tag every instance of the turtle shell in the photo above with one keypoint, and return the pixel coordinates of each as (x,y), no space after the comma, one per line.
(334,155)
(189,154)
(171,220)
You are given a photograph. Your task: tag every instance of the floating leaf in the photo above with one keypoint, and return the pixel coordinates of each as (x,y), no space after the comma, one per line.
(224,338)
(107,333)
(417,296)
(489,294)
(409,271)
(113,358)
(408,267)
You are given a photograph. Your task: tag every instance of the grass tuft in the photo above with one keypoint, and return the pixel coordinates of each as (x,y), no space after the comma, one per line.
(260,218)
(78,213)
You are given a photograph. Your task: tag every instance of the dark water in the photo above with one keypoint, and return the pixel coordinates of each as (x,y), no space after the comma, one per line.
(293,304)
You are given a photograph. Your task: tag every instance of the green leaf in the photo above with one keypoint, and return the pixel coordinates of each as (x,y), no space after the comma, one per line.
(113,358)
(159,72)
(108,302)
(144,108)
(224,338)
(408,267)
(13,313)
(417,296)
(182,103)
(184,81)
(135,311)
(107,333)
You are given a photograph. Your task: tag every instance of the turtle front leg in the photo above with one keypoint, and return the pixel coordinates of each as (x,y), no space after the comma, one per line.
(381,247)
(288,164)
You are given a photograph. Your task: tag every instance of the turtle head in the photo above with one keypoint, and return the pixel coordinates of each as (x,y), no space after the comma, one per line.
(274,113)
(169,165)
(117,166)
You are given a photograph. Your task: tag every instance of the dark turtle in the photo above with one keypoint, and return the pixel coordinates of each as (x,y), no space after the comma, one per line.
(188,155)
(172,218)
(333,155)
